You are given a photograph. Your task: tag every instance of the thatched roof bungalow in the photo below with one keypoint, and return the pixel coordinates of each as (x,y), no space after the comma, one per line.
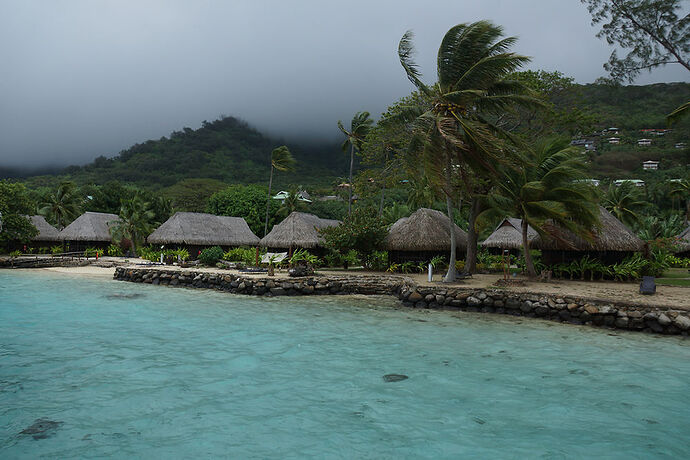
(46,232)
(298,230)
(612,241)
(196,230)
(47,236)
(91,229)
(424,234)
(508,235)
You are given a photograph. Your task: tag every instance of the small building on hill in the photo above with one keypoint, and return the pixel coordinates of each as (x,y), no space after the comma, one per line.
(90,230)
(196,231)
(298,230)
(650,165)
(644,142)
(612,241)
(423,235)
(508,235)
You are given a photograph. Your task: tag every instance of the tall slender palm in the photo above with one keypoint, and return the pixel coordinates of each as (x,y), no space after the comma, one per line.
(281,160)
(473,68)
(682,189)
(359,127)
(547,189)
(63,206)
(136,221)
(625,202)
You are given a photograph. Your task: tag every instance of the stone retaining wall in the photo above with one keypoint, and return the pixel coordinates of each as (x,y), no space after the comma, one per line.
(593,312)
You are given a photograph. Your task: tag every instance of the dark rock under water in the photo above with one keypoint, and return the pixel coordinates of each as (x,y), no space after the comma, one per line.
(123,296)
(394,377)
(42,428)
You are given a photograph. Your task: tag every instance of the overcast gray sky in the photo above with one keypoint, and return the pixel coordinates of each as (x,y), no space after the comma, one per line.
(82,78)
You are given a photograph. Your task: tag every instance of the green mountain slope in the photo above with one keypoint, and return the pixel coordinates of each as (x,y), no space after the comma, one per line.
(226,150)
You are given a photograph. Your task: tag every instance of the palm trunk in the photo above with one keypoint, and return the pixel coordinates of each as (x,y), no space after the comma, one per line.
(529,263)
(383,192)
(349,189)
(471,254)
(268,201)
(451,275)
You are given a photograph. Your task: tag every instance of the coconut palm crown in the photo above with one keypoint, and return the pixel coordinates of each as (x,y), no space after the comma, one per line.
(456,136)
(359,128)
(281,160)
(549,190)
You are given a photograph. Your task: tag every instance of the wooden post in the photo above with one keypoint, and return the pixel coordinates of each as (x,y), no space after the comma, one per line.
(257,256)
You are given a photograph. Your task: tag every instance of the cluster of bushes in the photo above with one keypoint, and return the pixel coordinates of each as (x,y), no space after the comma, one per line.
(631,268)
(154,255)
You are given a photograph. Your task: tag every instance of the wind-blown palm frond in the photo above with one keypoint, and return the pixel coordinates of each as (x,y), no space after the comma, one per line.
(547,192)
(282,159)
(405,53)
(677,114)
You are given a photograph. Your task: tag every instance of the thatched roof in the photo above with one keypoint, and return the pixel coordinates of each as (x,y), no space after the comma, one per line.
(508,235)
(46,232)
(199,229)
(425,230)
(90,226)
(299,229)
(612,235)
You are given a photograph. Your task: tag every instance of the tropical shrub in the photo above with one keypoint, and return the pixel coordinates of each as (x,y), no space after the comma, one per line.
(245,255)
(362,231)
(114,250)
(302,255)
(93,252)
(16,253)
(180,253)
(211,256)
(56,249)
(377,260)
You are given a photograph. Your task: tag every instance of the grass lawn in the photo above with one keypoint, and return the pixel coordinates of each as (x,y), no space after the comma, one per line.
(675,277)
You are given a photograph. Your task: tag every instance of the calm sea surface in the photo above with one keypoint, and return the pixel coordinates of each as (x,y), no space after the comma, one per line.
(136,371)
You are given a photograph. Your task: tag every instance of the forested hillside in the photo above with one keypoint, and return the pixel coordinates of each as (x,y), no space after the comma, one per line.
(230,151)
(227,150)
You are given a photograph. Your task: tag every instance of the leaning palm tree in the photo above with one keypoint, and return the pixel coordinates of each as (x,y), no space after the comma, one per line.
(679,113)
(135,222)
(455,135)
(63,206)
(281,160)
(625,202)
(359,127)
(682,189)
(546,190)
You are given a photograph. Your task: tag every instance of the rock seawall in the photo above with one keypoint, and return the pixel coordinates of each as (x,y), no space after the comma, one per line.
(594,312)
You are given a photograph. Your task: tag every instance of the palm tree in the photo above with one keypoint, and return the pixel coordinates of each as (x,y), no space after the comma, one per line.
(282,160)
(546,190)
(63,206)
(625,202)
(359,127)
(291,203)
(136,221)
(677,114)
(456,137)
(682,189)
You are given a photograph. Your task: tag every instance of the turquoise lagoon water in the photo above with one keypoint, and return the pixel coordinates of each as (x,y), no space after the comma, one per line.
(140,371)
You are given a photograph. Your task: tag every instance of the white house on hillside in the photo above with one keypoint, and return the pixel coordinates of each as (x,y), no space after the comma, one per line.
(650,165)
